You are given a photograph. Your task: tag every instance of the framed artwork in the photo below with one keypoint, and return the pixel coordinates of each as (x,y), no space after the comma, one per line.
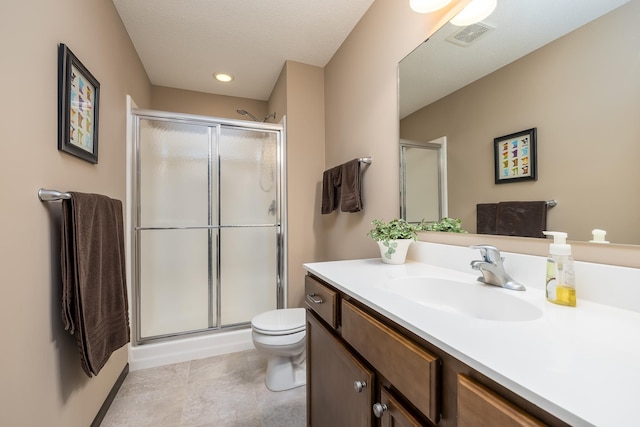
(515,157)
(78,100)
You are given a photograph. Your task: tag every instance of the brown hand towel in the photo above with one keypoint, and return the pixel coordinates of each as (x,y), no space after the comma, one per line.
(525,219)
(94,305)
(331,180)
(351,198)
(486,214)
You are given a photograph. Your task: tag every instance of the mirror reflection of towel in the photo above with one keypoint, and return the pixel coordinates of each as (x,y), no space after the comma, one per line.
(524,219)
(486,214)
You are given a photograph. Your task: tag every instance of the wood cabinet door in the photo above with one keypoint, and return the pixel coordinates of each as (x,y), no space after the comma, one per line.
(395,414)
(480,407)
(332,371)
(413,371)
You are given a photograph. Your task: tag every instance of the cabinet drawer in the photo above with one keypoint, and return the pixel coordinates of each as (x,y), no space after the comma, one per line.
(412,370)
(480,407)
(321,300)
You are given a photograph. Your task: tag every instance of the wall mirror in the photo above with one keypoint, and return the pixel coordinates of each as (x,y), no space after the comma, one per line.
(570,69)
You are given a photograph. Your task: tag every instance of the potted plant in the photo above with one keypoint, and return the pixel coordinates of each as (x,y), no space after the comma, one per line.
(394,238)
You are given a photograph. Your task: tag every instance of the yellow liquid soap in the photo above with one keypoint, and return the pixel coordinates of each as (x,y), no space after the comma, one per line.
(565,295)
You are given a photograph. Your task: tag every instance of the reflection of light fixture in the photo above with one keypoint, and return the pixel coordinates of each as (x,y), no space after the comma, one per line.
(426,6)
(222,77)
(474,12)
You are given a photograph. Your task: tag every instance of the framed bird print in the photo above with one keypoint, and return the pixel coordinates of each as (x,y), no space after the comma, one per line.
(515,157)
(79,95)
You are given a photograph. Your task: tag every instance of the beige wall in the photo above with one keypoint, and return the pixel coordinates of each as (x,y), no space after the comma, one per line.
(362,117)
(42,383)
(206,104)
(278,98)
(305,162)
(582,93)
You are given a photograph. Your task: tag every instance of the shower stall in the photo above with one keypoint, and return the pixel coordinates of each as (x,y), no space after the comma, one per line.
(208,224)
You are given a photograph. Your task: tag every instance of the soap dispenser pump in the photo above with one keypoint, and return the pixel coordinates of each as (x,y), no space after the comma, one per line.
(560,285)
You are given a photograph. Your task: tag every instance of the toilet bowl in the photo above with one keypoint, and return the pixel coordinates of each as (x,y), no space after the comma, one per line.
(280,336)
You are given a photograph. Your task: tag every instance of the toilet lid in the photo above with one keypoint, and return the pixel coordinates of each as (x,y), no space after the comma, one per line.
(284,321)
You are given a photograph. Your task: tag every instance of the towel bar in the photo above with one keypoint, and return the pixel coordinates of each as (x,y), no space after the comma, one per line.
(366,160)
(551,203)
(52,195)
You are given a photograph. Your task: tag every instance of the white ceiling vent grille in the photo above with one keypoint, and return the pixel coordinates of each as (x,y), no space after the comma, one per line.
(469,34)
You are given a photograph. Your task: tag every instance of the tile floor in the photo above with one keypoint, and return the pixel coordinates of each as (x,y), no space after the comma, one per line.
(221,391)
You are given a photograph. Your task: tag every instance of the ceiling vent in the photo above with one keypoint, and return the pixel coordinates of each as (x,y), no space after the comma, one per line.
(470,34)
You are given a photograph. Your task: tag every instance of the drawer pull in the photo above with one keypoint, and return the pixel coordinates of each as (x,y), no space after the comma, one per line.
(359,386)
(379,409)
(314,299)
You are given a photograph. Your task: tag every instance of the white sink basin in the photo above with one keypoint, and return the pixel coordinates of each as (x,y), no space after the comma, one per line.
(469,299)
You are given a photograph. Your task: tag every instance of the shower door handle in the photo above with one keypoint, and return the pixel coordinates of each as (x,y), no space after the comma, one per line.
(314,299)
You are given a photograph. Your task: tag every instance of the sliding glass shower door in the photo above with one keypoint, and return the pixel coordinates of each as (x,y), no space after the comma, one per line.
(208,232)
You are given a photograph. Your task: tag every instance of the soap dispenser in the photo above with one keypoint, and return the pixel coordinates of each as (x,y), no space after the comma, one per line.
(560,285)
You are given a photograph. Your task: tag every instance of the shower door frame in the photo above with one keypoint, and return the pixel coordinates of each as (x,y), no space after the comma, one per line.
(214,125)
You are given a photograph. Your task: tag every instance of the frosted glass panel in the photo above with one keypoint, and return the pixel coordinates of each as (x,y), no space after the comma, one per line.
(248,273)
(174,279)
(248,179)
(422,184)
(173,174)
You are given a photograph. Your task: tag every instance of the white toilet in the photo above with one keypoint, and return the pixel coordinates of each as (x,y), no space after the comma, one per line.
(280,336)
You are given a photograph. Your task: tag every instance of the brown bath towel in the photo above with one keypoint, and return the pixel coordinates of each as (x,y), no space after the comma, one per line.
(525,219)
(331,181)
(94,297)
(351,197)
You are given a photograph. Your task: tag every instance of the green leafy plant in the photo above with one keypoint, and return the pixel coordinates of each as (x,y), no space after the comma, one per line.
(449,225)
(387,232)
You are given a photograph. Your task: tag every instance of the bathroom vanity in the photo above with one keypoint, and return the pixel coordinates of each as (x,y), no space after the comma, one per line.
(377,350)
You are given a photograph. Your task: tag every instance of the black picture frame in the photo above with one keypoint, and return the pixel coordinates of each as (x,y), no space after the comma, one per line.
(78,102)
(516,157)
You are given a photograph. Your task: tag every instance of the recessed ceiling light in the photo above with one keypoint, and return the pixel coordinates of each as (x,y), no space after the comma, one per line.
(222,77)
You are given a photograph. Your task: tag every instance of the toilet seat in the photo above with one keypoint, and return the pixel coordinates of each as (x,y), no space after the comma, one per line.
(280,322)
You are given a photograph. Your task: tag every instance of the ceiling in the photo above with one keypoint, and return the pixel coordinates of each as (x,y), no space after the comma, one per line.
(182,43)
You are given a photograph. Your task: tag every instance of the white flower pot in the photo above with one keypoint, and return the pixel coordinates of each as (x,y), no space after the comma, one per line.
(395,252)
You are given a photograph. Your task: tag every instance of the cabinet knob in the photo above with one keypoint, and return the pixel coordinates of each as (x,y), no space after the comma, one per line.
(359,386)
(313,298)
(379,409)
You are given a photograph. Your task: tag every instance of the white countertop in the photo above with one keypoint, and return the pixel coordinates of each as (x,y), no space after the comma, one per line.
(580,364)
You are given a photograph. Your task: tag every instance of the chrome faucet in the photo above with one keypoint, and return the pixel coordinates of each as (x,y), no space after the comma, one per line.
(492,268)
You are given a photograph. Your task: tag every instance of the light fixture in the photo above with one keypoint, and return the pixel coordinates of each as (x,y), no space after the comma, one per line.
(426,6)
(223,77)
(474,12)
